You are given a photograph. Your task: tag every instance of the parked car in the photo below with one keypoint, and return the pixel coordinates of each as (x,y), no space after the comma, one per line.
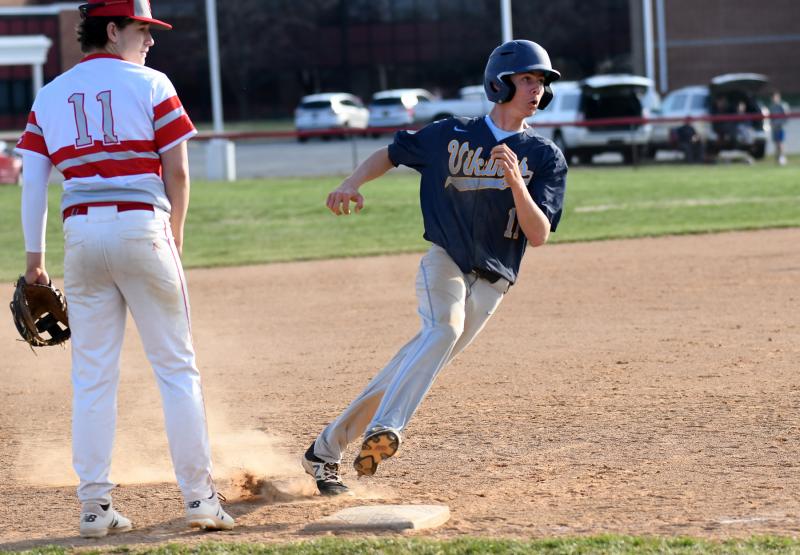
(471,102)
(599,97)
(397,107)
(330,111)
(10,165)
(730,93)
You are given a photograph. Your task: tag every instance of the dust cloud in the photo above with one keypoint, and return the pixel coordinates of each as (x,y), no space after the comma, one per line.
(141,454)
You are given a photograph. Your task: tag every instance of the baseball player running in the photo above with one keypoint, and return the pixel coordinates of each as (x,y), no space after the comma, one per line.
(117,131)
(488,187)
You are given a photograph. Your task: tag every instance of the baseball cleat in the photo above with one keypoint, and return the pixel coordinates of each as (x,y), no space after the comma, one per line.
(97,522)
(326,474)
(377,447)
(208,514)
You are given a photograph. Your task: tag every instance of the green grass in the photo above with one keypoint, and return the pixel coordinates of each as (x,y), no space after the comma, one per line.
(610,545)
(268,220)
(674,199)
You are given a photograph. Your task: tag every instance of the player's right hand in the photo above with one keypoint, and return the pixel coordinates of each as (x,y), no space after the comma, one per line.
(340,198)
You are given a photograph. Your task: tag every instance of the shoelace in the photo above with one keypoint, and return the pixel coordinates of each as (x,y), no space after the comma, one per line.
(330,473)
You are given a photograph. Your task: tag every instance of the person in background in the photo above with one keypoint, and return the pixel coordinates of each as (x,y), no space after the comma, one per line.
(690,142)
(778,108)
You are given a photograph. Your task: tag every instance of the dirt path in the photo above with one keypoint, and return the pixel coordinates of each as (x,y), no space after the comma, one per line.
(642,387)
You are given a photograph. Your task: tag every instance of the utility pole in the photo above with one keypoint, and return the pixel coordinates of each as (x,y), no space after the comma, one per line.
(220,153)
(647,28)
(662,47)
(505,18)
(213,64)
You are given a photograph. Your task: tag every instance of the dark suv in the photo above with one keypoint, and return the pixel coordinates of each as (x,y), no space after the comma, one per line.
(732,93)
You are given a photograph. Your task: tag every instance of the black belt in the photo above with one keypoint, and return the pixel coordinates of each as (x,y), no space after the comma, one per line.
(488,275)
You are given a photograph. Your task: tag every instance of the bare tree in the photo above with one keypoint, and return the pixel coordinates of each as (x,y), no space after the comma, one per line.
(261,37)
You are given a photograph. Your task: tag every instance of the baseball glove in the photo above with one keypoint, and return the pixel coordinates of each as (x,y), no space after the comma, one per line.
(40,309)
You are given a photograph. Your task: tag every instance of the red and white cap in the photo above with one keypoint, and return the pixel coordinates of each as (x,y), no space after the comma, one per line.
(138,10)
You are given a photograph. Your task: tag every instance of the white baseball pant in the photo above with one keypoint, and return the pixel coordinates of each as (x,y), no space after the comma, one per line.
(454,307)
(114,260)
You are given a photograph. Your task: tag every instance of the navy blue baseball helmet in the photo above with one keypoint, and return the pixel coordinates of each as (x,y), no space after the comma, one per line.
(512,57)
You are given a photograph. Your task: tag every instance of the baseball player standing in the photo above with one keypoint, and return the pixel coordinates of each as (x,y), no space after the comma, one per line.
(117,131)
(488,187)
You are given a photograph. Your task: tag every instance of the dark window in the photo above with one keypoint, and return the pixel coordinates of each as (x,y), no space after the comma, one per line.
(676,103)
(5,97)
(699,101)
(316,104)
(16,97)
(21,100)
(391,101)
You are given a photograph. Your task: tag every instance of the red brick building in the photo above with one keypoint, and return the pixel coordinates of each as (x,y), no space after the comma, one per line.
(709,37)
(275,51)
(55,21)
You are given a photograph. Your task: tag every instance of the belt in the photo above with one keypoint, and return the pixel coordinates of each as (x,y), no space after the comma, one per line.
(83,209)
(488,275)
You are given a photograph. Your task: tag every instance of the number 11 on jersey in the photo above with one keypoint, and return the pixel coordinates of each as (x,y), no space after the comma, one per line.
(84,138)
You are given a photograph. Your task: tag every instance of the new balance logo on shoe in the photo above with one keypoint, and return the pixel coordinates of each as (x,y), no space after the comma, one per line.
(97,522)
(208,514)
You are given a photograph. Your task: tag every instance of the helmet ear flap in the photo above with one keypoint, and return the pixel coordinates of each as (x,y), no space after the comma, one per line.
(547,97)
(506,90)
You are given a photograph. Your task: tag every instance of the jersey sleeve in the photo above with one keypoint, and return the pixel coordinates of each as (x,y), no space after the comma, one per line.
(170,121)
(32,139)
(414,148)
(34,200)
(548,186)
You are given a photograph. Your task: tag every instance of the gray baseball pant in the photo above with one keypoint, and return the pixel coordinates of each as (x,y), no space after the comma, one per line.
(454,307)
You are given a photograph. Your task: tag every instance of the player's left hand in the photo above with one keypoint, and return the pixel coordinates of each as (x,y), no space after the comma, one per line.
(508,161)
(37,275)
(35,271)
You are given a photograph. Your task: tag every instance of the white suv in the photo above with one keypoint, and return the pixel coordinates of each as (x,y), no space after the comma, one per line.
(730,93)
(397,107)
(326,111)
(599,97)
(471,103)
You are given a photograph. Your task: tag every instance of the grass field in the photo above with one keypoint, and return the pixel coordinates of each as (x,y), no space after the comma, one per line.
(600,545)
(258,221)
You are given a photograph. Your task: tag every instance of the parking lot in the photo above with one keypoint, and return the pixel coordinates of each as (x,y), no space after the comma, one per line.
(286,157)
(257,158)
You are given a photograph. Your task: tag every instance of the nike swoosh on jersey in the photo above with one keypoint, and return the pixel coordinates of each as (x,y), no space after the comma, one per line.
(457,129)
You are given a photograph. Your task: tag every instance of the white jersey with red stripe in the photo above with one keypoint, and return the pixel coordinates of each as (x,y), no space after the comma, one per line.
(104,124)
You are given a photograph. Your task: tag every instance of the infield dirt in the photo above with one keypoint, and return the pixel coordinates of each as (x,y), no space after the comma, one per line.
(641,387)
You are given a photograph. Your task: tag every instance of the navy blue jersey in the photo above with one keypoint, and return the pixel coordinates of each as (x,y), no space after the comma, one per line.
(467,207)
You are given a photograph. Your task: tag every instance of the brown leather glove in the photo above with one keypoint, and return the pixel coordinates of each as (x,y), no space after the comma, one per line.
(40,313)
